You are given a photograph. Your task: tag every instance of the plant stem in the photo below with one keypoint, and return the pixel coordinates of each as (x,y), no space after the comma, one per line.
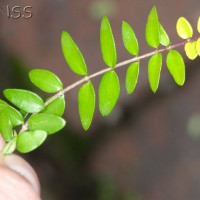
(123,63)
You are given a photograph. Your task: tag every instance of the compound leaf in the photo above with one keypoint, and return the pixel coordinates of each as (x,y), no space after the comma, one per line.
(198,46)
(129,39)
(73,55)
(57,107)
(154,69)
(29,140)
(164,38)
(45,80)
(107,42)
(132,77)
(6,126)
(15,116)
(25,100)
(86,104)
(109,90)
(153,29)
(176,66)
(47,122)
(190,50)
(184,29)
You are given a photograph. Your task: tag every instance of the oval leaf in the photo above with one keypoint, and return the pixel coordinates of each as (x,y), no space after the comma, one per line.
(198,25)
(109,90)
(132,77)
(25,100)
(190,50)
(108,48)
(73,55)
(30,140)
(176,66)
(129,39)
(45,80)
(154,69)
(57,107)
(47,122)
(184,29)
(198,46)
(164,38)
(153,29)
(15,116)
(86,104)
(6,126)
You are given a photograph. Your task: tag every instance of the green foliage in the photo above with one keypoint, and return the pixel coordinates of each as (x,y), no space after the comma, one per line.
(176,66)
(86,104)
(25,100)
(38,119)
(153,29)
(129,39)
(132,77)
(109,90)
(107,42)
(45,80)
(154,68)
(73,55)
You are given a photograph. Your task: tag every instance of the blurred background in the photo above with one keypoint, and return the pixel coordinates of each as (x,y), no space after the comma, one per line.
(149,147)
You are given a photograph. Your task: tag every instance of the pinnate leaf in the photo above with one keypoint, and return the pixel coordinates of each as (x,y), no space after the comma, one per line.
(109,90)
(154,69)
(176,66)
(129,39)
(86,104)
(107,42)
(73,55)
(190,50)
(15,116)
(57,107)
(25,100)
(132,77)
(184,29)
(153,29)
(164,38)
(45,80)
(47,122)
(29,140)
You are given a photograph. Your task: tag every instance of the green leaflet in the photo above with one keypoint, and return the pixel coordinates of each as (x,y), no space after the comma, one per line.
(107,42)
(154,69)
(132,77)
(176,66)
(15,116)
(57,107)
(153,29)
(6,126)
(47,122)
(45,80)
(73,55)
(25,100)
(164,38)
(198,25)
(190,50)
(30,140)
(10,147)
(129,39)
(198,46)
(184,28)
(86,104)
(109,90)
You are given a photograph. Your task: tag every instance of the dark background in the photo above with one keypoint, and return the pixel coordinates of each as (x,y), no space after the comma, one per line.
(149,147)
